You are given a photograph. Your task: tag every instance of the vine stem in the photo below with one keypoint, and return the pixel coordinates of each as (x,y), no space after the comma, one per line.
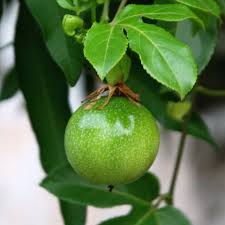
(105,11)
(177,167)
(180,153)
(210,92)
(121,6)
(161,198)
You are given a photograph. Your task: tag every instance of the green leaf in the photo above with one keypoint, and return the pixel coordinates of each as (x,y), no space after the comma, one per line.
(68,186)
(169,215)
(46,93)
(133,218)
(166,59)
(73,214)
(149,90)
(9,86)
(164,216)
(164,1)
(208,6)
(148,184)
(165,12)
(202,42)
(104,46)
(64,50)
(66,4)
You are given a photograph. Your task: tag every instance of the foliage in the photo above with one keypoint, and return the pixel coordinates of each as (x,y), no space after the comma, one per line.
(159,48)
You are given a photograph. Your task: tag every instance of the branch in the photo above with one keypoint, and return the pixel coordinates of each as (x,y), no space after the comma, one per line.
(177,167)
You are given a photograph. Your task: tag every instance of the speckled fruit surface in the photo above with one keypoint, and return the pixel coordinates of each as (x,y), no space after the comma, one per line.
(114,145)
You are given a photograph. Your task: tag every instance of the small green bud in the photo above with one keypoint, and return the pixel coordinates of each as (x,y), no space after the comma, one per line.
(70,23)
(177,110)
(120,72)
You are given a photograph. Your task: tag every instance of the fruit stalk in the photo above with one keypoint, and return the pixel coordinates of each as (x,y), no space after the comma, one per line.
(120,89)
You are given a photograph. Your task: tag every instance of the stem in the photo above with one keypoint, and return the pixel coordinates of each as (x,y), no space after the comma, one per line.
(180,153)
(93,14)
(105,11)
(210,92)
(161,198)
(121,6)
(177,167)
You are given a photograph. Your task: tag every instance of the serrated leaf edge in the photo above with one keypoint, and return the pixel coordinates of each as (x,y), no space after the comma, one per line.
(179,91)
(102,77)
(194,17)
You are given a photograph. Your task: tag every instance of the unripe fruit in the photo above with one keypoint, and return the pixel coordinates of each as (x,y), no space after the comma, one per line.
(114,145)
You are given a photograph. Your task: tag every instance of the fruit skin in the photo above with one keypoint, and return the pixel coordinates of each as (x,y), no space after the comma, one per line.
(114,145)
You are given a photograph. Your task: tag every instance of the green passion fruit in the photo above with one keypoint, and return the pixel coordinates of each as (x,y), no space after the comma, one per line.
(114,145)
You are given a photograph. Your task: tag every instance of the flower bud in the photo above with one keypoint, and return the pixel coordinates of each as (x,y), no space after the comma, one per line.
(70,23)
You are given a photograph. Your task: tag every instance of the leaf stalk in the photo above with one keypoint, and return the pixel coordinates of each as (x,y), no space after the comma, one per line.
(210,92)
(121,6)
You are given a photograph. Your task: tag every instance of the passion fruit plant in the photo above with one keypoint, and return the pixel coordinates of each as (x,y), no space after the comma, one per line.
(149,55)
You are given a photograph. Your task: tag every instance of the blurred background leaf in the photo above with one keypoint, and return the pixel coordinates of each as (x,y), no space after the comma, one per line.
(64,50)
(46,94)
(9,85)
(202,42)
(222,5)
